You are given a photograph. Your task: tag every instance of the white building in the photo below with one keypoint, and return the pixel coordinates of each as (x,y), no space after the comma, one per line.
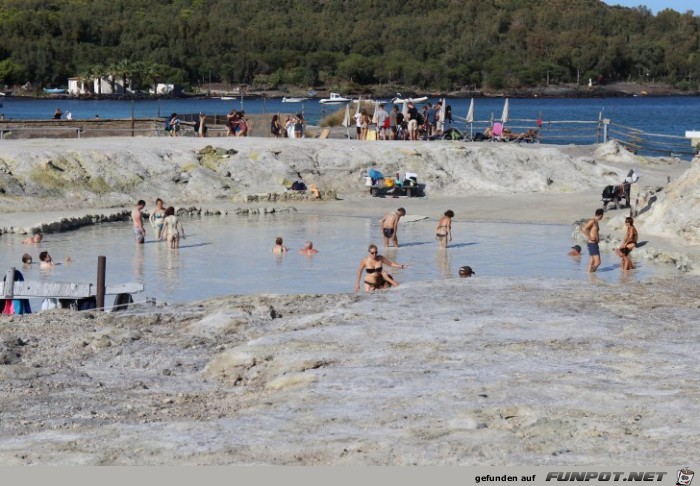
(76,87)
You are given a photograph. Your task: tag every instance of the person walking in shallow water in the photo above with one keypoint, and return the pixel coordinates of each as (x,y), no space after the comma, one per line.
(172,228)
(390,226)
(628,244)
(443,231)
(591,231)
(138,230)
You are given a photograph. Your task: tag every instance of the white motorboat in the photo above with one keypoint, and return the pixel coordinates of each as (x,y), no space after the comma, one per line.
(399,99)
(294,100)
(335,99)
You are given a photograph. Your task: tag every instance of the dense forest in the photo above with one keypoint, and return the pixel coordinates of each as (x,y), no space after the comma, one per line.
(427,44)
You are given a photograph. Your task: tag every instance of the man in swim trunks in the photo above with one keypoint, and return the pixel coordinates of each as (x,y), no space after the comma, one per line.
(138,230)
(591,231)
(389,226)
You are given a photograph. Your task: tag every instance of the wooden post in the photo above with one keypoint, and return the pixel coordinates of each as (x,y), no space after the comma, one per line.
(100,294)
(8,288)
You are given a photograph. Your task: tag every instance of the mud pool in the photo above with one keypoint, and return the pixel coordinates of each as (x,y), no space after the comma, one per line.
(228,255)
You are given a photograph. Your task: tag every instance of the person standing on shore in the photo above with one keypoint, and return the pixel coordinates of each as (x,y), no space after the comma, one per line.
(138,230)
(390,225)
(591,231)
(443,231)
(202,128)
(275,127)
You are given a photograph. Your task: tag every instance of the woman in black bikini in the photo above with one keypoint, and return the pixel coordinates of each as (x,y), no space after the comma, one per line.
(443,232)
(376,278)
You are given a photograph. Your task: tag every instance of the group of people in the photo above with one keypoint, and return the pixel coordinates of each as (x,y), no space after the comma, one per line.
(280,249)
(173,122)
(395,125)
(373,264)
(591,230)
(164,221)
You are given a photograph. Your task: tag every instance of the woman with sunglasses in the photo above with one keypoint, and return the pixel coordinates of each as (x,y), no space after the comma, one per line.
(376,277)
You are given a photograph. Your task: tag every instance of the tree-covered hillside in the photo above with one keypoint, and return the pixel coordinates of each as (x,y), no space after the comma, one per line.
(428,44)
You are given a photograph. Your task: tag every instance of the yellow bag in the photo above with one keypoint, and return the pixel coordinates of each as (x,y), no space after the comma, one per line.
(389,182)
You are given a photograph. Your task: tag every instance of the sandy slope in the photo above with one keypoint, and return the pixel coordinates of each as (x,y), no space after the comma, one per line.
(480,371)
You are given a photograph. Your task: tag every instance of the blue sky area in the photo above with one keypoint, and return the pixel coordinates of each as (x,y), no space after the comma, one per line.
(655,6)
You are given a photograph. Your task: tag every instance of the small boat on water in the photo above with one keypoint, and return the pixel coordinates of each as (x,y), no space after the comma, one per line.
(55,90)
(399,99)
(294,100)
(229,98)
(335,99)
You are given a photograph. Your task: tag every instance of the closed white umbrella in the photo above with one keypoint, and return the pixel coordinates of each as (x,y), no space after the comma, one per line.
(443,114)
(375,115)
(506,109)
(346,119)
(470,117)
(404,110)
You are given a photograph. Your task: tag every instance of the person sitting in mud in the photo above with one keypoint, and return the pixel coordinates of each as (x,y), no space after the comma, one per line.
(35,238)
(575,251)
(466,271)
(308,249)
(279,247)
(376,277)
(47,262)
(628,244)
(531,136)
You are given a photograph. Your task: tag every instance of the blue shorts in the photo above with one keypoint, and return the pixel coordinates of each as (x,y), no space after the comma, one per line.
(593,249)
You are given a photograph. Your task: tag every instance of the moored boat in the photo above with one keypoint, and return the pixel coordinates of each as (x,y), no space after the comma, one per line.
(335,99)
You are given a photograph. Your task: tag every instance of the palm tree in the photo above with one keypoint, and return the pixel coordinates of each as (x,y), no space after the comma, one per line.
(98,72)
(126,70)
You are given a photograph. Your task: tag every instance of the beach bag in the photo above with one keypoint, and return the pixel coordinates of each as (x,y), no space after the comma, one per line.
(609,192)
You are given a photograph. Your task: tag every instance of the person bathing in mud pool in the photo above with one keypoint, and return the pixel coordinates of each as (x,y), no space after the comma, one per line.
(172,228)
(279,247)
(443,231)
(376,277)
(156,218)
(591,230)
(575,251)
(628,244)
(46,260)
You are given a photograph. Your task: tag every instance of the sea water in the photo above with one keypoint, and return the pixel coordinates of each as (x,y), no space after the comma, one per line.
(232,254)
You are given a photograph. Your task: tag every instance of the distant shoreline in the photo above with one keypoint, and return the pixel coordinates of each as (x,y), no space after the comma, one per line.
(620,89)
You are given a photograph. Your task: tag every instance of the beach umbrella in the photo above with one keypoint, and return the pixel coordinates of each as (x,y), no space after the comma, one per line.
(404,110)
(346,119)
(506,109)
(470,116)
(375,115)
(443,114)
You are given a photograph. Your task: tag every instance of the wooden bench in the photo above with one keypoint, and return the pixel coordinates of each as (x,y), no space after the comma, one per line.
(16,289)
